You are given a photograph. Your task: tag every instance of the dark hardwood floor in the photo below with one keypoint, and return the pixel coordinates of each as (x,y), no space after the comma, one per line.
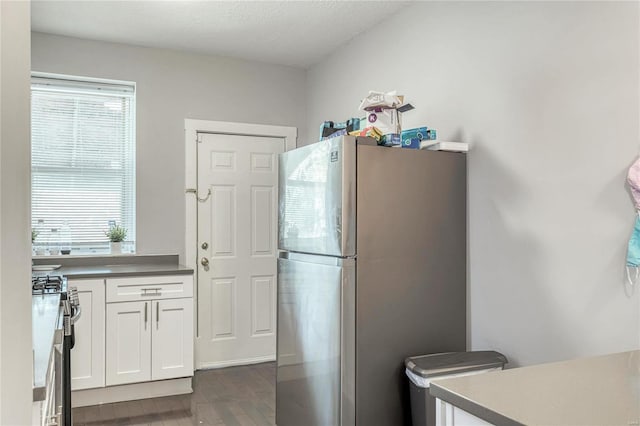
(229,396)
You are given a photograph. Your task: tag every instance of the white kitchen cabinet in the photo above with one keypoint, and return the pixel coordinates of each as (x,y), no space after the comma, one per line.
(172,339)
(128,342)
(149,336)
(450,415)
(87,356)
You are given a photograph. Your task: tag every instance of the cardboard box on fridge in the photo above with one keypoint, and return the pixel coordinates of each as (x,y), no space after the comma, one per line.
(384,111)
(385,120)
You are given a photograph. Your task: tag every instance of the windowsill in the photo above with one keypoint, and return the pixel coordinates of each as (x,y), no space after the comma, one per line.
(41,251)
(88,255)
(91,260)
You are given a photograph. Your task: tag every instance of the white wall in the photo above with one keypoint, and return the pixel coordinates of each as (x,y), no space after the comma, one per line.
(15,243)
(547,92)
(172,86)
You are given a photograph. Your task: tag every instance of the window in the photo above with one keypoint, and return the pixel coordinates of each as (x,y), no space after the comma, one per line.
(82,163)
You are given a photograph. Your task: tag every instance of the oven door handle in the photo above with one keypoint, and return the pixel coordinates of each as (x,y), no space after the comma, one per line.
(76,314)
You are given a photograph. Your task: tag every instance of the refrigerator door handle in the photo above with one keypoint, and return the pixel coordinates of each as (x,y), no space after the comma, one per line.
(319,259)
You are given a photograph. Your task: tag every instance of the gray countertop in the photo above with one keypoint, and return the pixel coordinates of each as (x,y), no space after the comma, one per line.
(46,324)
(131,270)
(590,391)
(113,266)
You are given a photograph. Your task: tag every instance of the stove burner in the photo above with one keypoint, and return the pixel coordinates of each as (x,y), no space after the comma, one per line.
(46,284)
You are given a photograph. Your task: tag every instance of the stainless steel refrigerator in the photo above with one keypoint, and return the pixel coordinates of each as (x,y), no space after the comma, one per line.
(372,269)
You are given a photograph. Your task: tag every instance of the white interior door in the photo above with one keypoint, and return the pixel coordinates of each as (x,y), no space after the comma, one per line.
(237,237)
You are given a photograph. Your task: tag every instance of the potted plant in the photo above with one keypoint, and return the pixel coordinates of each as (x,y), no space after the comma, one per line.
(116,235)
(37,250)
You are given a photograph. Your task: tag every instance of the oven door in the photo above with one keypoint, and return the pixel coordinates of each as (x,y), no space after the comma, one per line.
(68,344)
(58,386)
(52,405)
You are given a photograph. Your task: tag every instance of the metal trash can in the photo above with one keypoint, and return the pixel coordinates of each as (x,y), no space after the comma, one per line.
(421,370)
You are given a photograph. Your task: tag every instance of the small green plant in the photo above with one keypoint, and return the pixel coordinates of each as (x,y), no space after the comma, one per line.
(34,235)
(116,234)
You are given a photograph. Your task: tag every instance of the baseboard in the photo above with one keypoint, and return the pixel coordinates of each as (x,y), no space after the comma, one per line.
(83,398)
(235,362)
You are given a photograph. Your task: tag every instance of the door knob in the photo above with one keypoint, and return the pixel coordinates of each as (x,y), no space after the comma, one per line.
(204,261)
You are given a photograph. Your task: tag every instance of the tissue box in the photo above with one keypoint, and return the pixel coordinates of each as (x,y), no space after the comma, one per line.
(413,143)
(420,133)
(391,139)
(329,129)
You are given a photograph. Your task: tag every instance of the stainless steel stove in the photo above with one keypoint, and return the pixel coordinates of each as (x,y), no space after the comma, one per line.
(51,284)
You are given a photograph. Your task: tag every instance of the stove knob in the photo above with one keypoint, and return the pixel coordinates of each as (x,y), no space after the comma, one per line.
(72,293)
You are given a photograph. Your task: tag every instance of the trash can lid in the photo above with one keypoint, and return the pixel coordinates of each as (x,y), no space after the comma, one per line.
(454,362)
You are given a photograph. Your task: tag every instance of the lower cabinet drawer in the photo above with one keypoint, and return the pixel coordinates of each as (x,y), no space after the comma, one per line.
(149,288)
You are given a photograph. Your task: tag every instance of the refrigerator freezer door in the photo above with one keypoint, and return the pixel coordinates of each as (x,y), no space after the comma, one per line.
(315,368)
(317,198)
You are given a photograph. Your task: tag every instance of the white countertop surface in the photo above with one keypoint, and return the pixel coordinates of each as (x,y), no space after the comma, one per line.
(602,390)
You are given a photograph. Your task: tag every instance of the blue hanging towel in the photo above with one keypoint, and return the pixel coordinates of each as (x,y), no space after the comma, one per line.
(633,252)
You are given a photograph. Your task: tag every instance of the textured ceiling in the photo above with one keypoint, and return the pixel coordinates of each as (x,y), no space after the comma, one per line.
(296,33)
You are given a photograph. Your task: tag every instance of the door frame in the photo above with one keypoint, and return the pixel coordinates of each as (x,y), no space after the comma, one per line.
(191,130)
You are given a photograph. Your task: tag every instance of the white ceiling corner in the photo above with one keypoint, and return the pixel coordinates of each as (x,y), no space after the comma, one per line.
(294,33)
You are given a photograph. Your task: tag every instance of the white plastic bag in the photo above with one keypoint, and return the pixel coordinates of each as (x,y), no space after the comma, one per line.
(425,382)
(381,100)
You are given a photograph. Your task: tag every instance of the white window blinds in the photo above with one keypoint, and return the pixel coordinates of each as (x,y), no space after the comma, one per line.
(82,161)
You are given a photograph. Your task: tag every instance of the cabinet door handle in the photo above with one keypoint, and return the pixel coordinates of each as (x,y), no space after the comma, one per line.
(157,314)
(151,291)
(145,314)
